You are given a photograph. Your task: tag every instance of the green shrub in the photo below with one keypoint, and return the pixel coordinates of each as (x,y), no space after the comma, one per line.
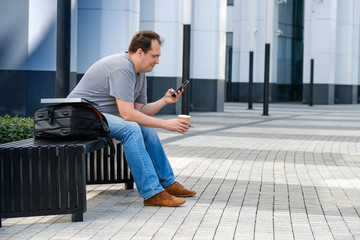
(15,128)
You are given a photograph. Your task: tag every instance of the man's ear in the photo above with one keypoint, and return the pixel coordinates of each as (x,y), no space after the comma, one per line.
(140,52)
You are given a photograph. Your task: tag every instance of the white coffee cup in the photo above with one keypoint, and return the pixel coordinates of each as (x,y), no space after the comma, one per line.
(184,117)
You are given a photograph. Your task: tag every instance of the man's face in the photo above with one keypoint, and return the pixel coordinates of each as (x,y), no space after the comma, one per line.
(151,58)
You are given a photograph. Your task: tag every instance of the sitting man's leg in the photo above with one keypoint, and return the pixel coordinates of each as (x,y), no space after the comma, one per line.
(140,163)
(162,165)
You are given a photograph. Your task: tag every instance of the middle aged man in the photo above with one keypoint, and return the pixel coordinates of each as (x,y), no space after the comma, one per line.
(117,84)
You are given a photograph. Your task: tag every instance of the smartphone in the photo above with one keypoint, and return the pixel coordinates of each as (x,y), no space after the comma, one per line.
(181,87)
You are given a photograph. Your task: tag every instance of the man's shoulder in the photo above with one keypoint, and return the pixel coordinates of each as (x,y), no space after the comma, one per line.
(119,57)
(112,63)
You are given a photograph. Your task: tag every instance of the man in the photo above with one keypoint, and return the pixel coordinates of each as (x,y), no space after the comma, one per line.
(117,84)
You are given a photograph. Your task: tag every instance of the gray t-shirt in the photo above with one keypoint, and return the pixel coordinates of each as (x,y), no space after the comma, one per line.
(110,78)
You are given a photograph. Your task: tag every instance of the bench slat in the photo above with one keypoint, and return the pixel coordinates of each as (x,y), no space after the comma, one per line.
(34,179)
(25,179)
(64,179)
(53,179)
(6,179)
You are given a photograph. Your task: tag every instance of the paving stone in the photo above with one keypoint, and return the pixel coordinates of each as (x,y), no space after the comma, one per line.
(292,175)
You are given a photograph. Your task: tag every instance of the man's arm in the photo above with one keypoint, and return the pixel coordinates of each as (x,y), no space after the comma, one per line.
(131,112)
(154,107)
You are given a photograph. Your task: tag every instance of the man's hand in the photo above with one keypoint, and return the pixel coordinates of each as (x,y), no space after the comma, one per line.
(177,125)
(169,99)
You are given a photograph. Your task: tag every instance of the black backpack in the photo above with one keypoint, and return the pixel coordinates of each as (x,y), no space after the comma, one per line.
(72,121)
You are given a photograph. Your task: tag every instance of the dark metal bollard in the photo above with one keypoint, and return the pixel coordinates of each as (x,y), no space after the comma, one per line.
(185,106)
(251,67)
(311,87)
(63,48)
(266,80)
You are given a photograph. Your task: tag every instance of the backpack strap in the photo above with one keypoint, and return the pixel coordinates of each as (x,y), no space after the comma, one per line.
(108,143)
(107,138)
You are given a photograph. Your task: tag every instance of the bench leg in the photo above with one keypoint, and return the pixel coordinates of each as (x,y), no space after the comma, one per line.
(77,217)
(129,185)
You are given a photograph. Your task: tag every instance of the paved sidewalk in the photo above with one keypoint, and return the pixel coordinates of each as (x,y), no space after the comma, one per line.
(292,175)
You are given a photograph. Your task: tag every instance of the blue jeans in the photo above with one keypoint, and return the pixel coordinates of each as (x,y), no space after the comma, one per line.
(145,155)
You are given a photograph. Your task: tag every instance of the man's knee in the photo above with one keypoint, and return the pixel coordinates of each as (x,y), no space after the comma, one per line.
(125,130)
(133,127)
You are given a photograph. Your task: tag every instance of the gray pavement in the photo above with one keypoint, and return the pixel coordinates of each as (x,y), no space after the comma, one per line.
(292,175)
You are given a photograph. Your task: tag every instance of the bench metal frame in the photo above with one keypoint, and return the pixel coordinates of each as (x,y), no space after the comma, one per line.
(42,177)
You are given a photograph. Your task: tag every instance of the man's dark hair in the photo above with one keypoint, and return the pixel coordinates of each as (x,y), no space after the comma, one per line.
(142,39)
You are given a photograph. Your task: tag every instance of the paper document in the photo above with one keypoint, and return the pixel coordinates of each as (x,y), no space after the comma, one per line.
(65,100)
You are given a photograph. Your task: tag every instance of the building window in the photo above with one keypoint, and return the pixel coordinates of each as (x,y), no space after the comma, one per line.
(290,51)
(230,2)
(229,39)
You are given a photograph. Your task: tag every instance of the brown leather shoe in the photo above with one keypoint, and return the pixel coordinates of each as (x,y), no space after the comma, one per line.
(163,199)
(177,190)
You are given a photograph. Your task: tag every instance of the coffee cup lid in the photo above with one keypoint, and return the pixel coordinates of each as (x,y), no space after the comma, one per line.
(184,116)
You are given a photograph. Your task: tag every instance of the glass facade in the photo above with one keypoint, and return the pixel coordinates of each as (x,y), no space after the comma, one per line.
(290,51)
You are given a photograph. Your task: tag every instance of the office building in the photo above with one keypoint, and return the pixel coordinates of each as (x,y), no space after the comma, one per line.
(224,34)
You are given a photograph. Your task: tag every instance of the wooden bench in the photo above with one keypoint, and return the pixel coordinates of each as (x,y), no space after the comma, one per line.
(42,177)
